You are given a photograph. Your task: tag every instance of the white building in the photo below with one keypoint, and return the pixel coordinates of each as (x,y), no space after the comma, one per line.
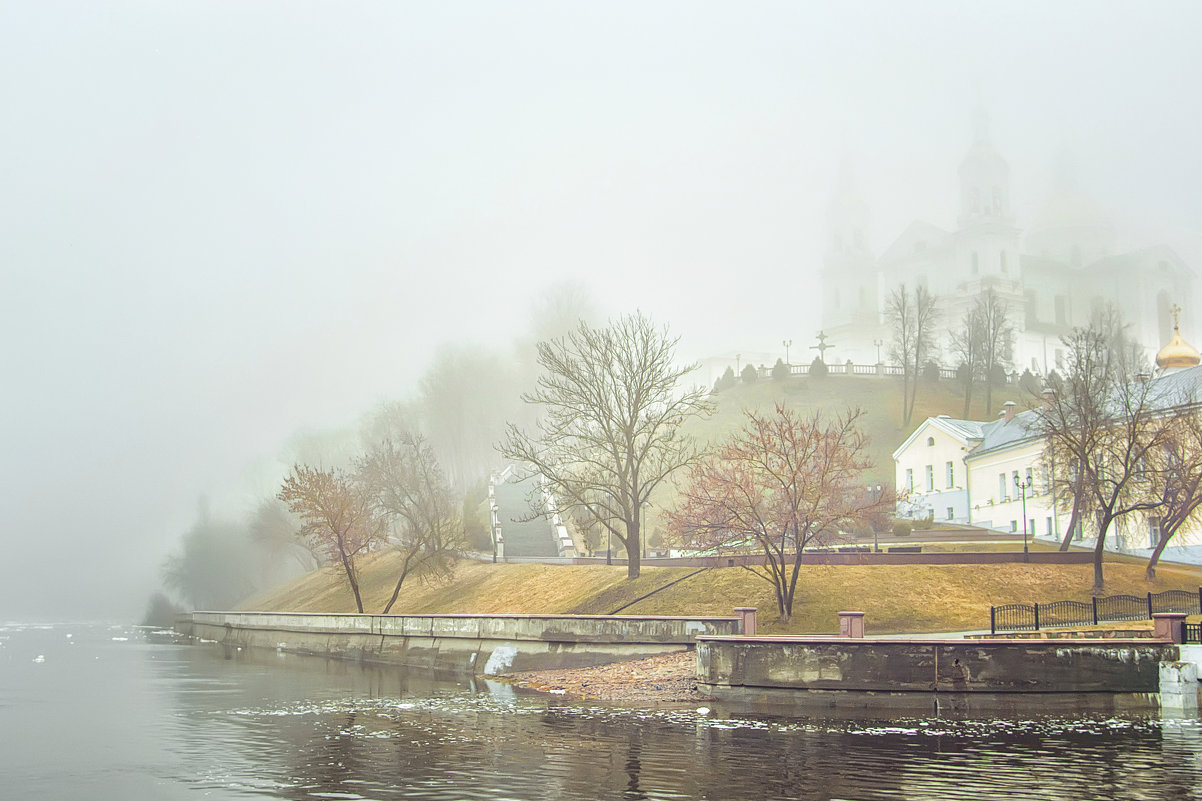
(992,473)
(1055,277)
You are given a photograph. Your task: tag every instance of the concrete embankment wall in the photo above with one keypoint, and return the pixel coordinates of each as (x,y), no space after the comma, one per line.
(859,672)
(492,644)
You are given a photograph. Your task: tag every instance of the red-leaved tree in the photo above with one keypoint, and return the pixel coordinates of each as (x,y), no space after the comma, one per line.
(338,515)
(782,483)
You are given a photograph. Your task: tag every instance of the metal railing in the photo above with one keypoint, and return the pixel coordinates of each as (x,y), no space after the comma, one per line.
(1106,609)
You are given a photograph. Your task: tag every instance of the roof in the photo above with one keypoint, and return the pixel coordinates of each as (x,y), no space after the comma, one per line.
(1001,433)
(967,431)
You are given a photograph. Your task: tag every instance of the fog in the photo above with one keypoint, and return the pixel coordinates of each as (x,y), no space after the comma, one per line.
(225,222)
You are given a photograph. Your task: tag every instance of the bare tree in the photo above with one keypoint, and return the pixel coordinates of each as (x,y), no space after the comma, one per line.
(912,318)
(995,334)
(610,431)
(782,483)
(1177,477)
(412,493)
(965,345)
(337,513)
(1103,430)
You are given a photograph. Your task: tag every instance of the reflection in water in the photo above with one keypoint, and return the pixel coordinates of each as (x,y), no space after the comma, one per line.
(174,719)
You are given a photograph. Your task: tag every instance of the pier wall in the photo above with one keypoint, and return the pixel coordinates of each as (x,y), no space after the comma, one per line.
(845,671)
(489,644)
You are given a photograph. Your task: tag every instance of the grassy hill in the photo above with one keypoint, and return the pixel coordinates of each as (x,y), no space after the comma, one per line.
(896,598)
(880,398)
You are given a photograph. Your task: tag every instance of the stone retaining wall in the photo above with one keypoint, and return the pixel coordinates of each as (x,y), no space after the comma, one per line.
(491,644)
(845,671)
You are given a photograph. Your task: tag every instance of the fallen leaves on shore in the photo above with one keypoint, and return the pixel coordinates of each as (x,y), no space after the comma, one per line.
(659,679)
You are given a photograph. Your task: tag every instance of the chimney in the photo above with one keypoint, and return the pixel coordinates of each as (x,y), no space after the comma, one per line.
(1009,408)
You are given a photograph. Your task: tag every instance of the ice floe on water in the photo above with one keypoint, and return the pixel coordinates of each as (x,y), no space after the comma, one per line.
(40,658)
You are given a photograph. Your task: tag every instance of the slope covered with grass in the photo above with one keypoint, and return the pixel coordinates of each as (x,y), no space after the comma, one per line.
(896,598)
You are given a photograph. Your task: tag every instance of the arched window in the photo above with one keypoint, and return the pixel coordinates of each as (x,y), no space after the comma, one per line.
(931,441)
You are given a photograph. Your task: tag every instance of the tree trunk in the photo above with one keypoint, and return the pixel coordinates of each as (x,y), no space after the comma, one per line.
(967,399)
(1098,550)
(401,580)
(633,549)
(988,392)
(1072,521)
(350,578)
(1150,575)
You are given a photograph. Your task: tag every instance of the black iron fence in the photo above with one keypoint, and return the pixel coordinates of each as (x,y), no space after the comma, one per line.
(1107,609)
(1193,634)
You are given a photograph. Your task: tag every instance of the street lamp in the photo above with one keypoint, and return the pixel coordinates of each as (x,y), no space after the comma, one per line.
(875,492)
(787,343)
(878,343)
(1022,487)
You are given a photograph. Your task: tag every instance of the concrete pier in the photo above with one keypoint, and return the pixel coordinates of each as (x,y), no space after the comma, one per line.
(488,644)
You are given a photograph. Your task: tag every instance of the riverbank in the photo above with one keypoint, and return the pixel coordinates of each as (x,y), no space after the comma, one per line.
(895,598)
(667,679)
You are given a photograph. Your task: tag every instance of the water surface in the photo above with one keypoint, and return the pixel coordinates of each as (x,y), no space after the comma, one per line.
(116,713)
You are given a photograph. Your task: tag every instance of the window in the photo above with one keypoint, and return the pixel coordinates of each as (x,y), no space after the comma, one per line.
(951,475)
(951,512)
(1014,478)
(1001,487)
(909,479)
(1013,526)
(1049,526)
(1153,531)
(1031,526)
(1030,479)
(930,442)
(930,478)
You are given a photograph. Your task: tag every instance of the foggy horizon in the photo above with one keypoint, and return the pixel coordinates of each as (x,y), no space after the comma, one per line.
(226,223)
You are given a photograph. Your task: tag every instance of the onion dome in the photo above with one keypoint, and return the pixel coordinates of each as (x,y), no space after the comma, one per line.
(1178,353)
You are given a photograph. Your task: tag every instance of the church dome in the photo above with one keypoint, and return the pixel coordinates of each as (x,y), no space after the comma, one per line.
(1178,353)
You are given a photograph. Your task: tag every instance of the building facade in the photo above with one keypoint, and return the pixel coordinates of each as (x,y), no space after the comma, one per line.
(1054,274)
(993,474)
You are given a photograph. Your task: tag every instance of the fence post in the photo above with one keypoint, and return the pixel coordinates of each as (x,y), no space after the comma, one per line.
(993,615)
(1200,600)
(1095,608)
(1037,616)
(1149,606)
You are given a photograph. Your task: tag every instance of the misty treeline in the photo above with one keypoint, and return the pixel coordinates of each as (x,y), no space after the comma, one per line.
(459,412)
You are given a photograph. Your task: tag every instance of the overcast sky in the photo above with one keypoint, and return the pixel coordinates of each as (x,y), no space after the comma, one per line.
(222,222)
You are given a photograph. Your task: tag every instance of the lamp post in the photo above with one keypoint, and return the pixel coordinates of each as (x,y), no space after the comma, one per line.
(875,492)
(787,343)
(878,343)
(1022,487)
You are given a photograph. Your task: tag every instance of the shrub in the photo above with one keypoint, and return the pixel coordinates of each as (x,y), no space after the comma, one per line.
(818,367)
(902,528)
(780,371)
(750,375)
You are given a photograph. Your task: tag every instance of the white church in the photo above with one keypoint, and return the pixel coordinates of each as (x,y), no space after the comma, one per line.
(1054,275)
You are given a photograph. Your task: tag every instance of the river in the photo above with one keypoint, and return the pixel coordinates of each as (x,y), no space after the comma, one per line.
(115,712)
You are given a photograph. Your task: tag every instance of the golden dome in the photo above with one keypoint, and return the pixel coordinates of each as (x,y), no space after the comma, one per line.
(1178,353)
